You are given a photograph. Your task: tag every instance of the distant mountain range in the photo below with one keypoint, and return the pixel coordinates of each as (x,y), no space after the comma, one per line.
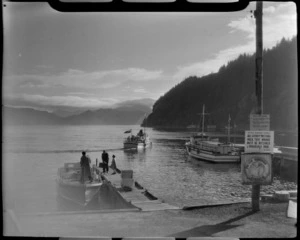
(232,91)
(125,113)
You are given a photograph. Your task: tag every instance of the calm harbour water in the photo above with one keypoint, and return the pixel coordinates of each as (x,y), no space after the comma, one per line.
(32,155)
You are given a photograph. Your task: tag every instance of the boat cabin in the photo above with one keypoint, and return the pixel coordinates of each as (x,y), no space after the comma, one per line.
(213,146)
(72,172)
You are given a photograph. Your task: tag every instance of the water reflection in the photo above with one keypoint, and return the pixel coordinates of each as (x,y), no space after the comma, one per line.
(214,167)
(136,154)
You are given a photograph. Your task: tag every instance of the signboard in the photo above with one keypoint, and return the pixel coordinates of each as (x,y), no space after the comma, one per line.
(260,122)
(256,168)
(259,141)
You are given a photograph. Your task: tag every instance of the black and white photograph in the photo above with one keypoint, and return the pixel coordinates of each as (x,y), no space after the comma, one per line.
(150,124)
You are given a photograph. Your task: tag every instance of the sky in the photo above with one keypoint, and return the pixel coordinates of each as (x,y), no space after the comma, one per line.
(91,60)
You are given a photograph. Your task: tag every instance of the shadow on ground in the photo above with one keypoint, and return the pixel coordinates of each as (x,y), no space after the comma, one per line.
(208,230)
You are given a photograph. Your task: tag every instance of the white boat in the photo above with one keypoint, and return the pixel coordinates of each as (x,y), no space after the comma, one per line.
(71,188)
(212,150)
(202,147)
(141,140)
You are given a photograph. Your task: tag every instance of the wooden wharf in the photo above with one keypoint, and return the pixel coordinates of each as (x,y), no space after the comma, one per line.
(138,196)
(286,163)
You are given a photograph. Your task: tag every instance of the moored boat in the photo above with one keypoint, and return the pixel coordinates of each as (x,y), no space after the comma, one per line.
(212,150)
(203,147)
(70,187)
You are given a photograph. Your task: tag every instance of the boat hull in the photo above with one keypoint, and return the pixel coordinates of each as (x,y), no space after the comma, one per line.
(79,193)
(212,157)
(140,145)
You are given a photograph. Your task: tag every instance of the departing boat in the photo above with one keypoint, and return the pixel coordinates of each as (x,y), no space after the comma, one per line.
(141,140)
(71,188)
(203,147)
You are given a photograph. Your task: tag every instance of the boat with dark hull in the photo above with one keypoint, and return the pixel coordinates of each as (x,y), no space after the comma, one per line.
(70,187)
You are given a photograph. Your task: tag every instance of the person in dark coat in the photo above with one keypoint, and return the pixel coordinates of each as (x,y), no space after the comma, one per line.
(85,168)
(105,160)
(141,133)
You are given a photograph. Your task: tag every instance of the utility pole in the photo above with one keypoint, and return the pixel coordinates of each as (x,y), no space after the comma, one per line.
(259,85)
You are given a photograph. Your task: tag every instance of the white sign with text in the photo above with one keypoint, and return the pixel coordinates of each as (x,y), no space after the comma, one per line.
(260,122)
(259,141)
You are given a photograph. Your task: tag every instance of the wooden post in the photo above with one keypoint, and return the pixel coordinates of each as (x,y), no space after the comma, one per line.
(259,86)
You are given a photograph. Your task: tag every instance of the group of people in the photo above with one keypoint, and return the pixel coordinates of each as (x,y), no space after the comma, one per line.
(85,162)
(105,161)
(140,135)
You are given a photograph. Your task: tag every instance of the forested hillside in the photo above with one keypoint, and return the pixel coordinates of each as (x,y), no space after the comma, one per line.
(232,91)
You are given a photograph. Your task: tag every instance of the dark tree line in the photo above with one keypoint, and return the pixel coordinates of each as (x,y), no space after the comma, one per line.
(232,91)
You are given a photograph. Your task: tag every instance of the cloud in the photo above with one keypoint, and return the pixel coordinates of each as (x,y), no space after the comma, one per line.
(211,65)
(116,77)
(139,90)
(48,102)
(67,101)
(85,80)
(31,83)
(80,93)
(44,66)
(76,88)
(278,22)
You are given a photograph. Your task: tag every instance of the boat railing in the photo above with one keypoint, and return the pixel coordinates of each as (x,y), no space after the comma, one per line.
(134,139)
(69,166)
(72,172)
(204,148)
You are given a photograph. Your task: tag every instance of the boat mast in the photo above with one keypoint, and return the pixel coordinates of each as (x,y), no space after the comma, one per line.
(229,129)
(234,126)
(145,125)
(203,112)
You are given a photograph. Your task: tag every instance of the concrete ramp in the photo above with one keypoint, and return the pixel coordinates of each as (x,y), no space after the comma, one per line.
(154,205)
(138,196)
(110,198)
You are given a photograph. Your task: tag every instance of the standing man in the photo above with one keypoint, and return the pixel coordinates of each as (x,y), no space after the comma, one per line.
(85,168)
(105,160)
